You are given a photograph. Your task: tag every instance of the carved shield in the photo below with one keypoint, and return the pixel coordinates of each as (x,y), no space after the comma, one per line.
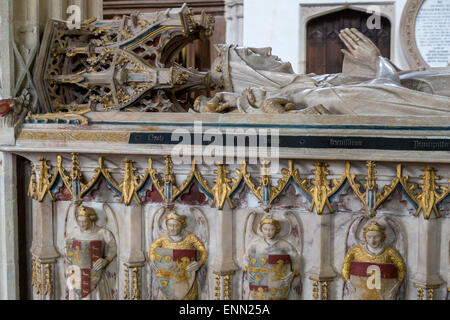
(373,281)
(173,279)
(82,255)
(266,273)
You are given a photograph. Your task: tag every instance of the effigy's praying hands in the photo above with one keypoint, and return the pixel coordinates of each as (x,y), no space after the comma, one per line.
(359,46)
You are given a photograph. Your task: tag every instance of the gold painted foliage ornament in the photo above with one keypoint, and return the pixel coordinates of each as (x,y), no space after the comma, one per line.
(429,196)
(319,189)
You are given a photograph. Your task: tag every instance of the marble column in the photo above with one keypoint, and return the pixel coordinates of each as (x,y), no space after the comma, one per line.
(7,65)
(95,9)
(427,278)
(447,224)
(132,258)
(322,271)
(9,253)
(224,265)
(83,6)
(234,21)
(43,249)
(58,9)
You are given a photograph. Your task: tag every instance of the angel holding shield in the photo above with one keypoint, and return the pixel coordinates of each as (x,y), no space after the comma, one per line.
(374,270)
(175,257)
(89,250)
(269,263)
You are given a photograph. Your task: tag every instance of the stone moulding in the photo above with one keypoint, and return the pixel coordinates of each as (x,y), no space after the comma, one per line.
(408,36)
(323,137)
(316,139)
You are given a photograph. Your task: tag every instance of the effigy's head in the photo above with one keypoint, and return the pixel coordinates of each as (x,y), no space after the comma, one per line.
(374,234)
(86,216)
(175,223)
(269,227)
(263,59)
(236,64)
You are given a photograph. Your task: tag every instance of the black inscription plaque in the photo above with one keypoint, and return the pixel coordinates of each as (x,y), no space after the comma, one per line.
(285,141)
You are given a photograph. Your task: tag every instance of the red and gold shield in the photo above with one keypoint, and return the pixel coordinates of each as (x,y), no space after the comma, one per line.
(82,255)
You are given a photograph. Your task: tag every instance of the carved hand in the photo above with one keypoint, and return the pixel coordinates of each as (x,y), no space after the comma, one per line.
(359,46)
(99,264)
(287,279)
(193,266)
(350,286)
(154,267)
(394,289)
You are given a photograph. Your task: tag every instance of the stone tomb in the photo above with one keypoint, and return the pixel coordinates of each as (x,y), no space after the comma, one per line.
(123,165)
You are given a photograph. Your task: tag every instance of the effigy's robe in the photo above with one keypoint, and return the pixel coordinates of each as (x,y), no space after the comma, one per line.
(374,99)
(354,92)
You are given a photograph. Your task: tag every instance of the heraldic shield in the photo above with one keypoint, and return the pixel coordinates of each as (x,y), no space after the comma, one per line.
(373,281)
(82,255)
(172,278)
(265,276)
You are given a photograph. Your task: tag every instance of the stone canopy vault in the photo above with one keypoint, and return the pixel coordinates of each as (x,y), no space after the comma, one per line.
(144,179)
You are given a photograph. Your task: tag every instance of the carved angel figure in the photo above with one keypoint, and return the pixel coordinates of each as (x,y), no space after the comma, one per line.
(270,263)
(373,270)
(175,258)
(89,249)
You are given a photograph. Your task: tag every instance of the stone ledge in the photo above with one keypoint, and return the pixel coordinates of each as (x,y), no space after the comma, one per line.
(333,137)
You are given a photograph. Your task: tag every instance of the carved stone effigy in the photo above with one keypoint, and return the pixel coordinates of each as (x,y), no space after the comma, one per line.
(184,208)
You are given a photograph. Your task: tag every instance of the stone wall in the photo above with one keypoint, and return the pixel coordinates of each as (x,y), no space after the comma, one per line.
(282,25)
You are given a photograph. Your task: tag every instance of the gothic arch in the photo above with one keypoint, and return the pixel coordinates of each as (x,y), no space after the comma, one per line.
(310,11)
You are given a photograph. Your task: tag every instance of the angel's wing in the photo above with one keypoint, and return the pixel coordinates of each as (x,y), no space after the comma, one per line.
(157,230)
(295,233)
(395,237)
(250,233)
(158,226)
(354,238)
(354,233)
(199,226)
(112,270)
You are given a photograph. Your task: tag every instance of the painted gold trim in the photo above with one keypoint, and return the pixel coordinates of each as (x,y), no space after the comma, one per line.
(75,136)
